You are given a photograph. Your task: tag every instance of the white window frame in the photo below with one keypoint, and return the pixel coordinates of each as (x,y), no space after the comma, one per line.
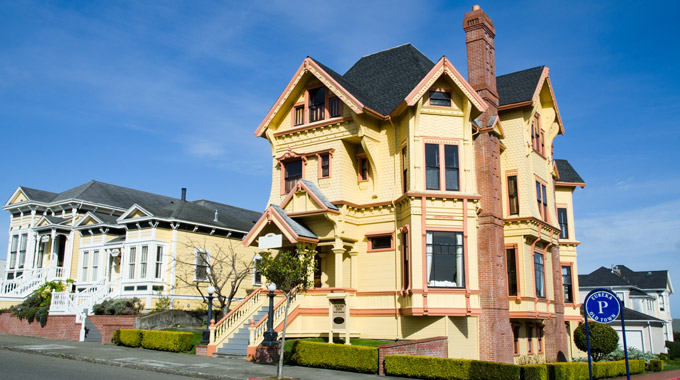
(158,262)
(84,264)
(143,262)
(132,261)
(256,260)
(94,266)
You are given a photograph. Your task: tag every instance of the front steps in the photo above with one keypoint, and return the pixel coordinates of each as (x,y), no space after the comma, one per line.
(237,345)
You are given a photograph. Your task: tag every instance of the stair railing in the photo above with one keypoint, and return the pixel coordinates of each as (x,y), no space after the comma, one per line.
(222,330)
(258,329)
(23,285)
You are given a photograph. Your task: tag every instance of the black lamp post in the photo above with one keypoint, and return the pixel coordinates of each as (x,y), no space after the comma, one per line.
(270,335)
(206,332)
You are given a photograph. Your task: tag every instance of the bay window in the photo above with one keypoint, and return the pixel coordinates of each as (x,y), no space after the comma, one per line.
(513,197)
(564,226)
(445,259)
(539,275)
(159,263)
(567,283)
(132,260)
(511,261)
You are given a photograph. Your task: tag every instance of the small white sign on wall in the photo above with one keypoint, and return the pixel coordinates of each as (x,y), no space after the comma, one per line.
(270,240)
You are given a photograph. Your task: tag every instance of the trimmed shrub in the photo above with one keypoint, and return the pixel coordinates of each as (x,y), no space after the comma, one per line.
(655,365)
(449,369)
(673,348)
(423,367)
(131,337)
(335,356)
(603,339)
(601,370)
(174,341)
(116,337)
(534,372)
(568,371)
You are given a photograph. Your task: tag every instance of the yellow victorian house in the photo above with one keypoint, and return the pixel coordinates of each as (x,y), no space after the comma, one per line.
(433,202)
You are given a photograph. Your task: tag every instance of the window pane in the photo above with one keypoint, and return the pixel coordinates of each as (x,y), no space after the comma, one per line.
(159,262)
(143,261)
(562,218)
(317,98)
(299,115)
(566,281)
(84,271)
(451,162)
(539,275)
(133,258)
(445,261)
(381,242)
(432,166)
(512,195)
(293,172)
(363,169)
(440,98)
(325,165)
(334,107)
(512,272)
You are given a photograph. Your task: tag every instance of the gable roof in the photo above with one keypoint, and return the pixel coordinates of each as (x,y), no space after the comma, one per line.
(519,86)
(602,276)
(567,174)
(379,82)
(38,195)
(386,77)
(112,195)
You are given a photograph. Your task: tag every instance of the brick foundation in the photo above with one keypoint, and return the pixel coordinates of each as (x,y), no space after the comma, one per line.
(432,347)
(63,327)
(107,324)
(205,350)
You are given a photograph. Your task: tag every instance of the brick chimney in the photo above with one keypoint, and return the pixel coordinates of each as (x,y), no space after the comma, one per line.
(495,333)
(481,53)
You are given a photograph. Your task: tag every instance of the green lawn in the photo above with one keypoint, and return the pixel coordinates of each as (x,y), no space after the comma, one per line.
(354,341)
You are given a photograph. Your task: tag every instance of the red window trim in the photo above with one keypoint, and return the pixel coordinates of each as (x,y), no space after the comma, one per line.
(442,163)
(305,104)
(511,173)
(371,235)
(319,159)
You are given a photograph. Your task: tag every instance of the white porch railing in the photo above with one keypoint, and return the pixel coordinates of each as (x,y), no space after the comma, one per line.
(23,285)
(257,330)
(222,330)
(81,303)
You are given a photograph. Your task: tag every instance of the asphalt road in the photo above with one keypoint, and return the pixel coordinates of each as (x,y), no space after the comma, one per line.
(19,365)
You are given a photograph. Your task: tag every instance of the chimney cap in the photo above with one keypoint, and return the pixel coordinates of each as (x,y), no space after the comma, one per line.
(476,7)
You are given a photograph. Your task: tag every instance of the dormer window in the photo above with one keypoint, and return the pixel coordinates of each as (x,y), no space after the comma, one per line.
(440,98)
(320,104)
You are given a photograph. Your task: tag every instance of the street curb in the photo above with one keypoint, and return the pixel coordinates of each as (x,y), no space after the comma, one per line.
(144,367)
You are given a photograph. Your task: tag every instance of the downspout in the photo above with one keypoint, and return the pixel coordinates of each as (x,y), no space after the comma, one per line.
(651,340)
(396,225)
(174,264)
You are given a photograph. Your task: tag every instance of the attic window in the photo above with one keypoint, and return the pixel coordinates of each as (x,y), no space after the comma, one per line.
(440,98)
(317,104)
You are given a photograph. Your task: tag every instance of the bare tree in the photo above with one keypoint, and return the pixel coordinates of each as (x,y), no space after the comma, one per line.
(216,264)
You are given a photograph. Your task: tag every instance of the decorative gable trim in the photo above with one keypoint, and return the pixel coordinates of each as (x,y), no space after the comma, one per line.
(301,186)
(131,210)
(309,66)
(87,217)
(270,215)
(444,67)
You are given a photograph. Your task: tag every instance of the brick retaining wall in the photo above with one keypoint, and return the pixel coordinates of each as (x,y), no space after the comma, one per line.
(62,327)
(433,347)
(107,324)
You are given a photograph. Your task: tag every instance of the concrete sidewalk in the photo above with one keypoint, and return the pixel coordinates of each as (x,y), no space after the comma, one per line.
(167,362)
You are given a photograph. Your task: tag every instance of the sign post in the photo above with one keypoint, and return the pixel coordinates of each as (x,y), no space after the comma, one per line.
(603,306)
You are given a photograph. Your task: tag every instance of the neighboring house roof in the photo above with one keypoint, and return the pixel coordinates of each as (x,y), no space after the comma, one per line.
(638,293)
(631,315)
(602,276)
(567,174)
(519,86)
(386,77)
(112,195)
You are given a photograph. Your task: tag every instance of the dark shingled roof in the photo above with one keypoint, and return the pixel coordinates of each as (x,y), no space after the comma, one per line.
(312,187)
(518,86)
(567,172)
(55,220)
(38,195)
(657,279)
(632,315)
(298,227)
(382,80)
(112,195)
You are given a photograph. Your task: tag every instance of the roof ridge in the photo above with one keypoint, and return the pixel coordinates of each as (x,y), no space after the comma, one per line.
(521,71)
(392,48)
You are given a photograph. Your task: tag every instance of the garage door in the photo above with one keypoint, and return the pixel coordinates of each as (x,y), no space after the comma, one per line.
(633,339)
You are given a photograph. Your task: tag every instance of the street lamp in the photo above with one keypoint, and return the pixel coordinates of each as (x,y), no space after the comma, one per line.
(270,335)
(206,332)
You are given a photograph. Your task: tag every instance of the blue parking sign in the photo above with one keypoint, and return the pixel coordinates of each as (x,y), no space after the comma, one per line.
(602,306)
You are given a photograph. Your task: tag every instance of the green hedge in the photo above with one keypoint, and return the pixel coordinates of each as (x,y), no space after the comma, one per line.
(449,369)
(335,356)
(174,341)
(427,368)
(131,337)
(655,365)
(601,370)
(154,340)
(534,372)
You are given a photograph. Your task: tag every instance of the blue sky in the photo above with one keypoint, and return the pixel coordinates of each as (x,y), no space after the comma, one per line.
(160,95)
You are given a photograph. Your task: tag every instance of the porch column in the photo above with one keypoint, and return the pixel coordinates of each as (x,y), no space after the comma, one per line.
(338,252)
(353,265)
(53,254)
